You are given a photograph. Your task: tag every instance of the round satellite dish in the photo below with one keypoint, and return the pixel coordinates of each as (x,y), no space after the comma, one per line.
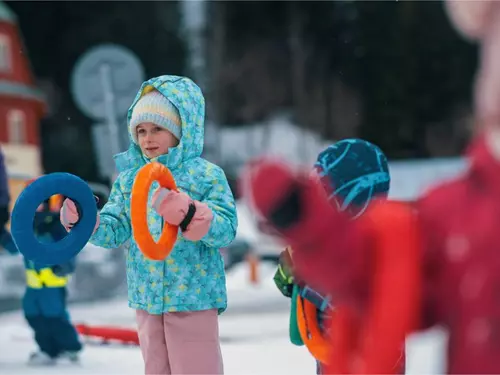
(127,75)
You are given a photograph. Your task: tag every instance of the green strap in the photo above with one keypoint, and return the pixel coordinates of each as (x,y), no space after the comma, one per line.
(295,337)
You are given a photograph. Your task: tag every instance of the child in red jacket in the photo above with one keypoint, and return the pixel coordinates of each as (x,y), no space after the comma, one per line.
(456,224)
(353,172)
(457,227)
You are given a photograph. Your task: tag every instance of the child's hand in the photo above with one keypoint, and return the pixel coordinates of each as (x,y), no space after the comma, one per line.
(177,208)
(70,215)
(171,205)
(283,277)
(286,263)
(283,196)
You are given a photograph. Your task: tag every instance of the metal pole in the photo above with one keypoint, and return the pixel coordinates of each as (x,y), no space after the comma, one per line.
(109,102)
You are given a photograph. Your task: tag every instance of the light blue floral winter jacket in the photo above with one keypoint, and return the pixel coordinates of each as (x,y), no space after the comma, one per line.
(192,277)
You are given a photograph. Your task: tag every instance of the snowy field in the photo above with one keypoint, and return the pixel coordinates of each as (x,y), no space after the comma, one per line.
(254,336)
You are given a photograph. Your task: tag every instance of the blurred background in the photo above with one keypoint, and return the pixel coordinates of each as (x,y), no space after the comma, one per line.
(280,77)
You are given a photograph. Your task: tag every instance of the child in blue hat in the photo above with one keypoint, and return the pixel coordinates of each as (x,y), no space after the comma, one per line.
(353,172)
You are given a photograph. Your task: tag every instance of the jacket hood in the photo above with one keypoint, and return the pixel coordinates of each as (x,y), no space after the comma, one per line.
(189,101)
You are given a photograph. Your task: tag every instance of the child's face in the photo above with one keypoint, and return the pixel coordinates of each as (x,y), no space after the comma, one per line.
(154,140)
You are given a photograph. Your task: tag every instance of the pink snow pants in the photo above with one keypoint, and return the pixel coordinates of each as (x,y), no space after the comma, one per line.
(180,343)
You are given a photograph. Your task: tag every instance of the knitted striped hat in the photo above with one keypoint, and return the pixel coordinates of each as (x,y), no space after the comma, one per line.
(353,172)
(155,108)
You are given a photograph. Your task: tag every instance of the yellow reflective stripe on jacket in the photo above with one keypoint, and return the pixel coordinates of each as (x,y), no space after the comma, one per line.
(45,277)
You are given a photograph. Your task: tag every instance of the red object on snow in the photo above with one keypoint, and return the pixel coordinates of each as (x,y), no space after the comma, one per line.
(125,335)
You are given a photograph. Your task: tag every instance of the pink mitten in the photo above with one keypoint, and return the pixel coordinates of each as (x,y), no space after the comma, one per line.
(200,224)
(69,215)
(177,208)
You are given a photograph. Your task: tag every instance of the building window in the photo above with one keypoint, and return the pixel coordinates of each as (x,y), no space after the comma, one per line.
(16,121)
(5,53)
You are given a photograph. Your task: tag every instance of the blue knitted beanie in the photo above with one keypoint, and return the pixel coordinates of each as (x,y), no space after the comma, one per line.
(353,172)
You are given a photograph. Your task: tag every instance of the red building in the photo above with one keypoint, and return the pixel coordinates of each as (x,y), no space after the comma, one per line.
(21,105)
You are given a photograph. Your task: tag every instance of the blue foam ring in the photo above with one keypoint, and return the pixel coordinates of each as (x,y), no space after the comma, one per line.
(24,210)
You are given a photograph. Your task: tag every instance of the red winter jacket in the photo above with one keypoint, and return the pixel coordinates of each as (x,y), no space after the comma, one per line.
(460,228)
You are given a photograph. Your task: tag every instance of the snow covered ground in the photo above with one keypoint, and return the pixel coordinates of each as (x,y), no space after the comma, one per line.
(254,336)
